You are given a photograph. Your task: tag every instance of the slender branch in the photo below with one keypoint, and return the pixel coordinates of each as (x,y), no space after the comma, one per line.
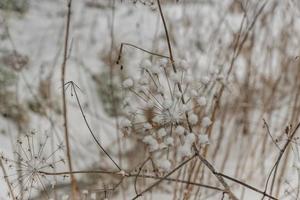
(164,177)
(80,172)
(73,88)
(180,181)
(275,166)
(218,176)
(129,175)
(65,112)
(139,48)
(172,60)
(269,133)
(140,169)
(167,34)
(221,176)
(246,185)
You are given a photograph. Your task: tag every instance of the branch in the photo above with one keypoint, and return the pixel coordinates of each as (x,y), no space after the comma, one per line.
(73,88)
(269,133)
(218,176)
(65,111)
(221,176)
(275,167)
(139,48)
(164,177)
(129,175)
(247,185)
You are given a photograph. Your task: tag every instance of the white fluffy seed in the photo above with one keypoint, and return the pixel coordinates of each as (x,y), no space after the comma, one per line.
(128,83)
(169,141)
(190,138)
(162,132)
(179,130)
(153,147)
(206,122)
(203,139)
(164,164)
(151,142)
(185,151)
(193,119)
(201,101)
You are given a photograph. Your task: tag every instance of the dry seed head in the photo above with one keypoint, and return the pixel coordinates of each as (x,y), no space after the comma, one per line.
(25,172)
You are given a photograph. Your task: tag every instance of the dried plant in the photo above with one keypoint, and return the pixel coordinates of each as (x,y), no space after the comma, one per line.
(28,164)
(210,111)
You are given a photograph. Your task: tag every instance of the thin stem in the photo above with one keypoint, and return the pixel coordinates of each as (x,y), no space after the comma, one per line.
(163,178)
(167,34)
(218,176)
(139,48)
(129,175)
(140,169)
(221,176)
(65,112)
(275,167)
(88,126)
(246,185)
(269,133)
(80,172)
(172,60)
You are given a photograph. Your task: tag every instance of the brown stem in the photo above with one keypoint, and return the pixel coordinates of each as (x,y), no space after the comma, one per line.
(221,176)
(172,59)
(134,175)
(218,176)
(275,166)
(65,111)
(164,177)
(167,35)
(139,48)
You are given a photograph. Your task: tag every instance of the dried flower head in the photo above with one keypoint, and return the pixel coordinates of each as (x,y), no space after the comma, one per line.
(163,105)
(27,168)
